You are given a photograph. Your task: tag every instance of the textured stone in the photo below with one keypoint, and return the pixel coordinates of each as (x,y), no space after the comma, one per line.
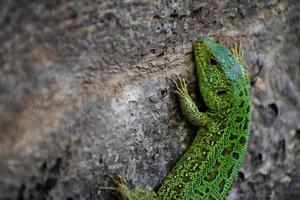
(86,91)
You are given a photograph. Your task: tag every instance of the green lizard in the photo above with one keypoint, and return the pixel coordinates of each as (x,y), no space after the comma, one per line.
(209,167)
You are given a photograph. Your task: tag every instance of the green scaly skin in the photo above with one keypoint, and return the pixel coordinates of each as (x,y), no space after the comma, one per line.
(209,167)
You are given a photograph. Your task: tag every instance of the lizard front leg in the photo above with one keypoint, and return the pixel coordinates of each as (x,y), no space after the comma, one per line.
(188,106)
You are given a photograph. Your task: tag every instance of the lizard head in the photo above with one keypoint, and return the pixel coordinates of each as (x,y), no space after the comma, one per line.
(214,83)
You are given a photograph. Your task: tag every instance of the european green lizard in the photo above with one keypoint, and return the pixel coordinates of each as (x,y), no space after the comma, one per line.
(209,167)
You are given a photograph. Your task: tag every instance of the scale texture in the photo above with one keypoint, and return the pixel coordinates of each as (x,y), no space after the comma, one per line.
(210,166)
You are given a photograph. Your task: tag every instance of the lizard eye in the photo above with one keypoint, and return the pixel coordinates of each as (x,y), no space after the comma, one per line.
(221,93)
(213,61)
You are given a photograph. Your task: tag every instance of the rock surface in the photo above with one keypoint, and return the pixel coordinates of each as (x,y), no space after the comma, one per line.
(86,91)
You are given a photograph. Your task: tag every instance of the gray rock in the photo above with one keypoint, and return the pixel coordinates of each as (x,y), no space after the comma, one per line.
(86,92)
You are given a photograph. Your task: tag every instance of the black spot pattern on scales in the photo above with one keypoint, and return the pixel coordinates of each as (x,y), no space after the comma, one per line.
(207,190)
(233,136)
(229,171)
(238,119)
(236,155)
(246,124)
(221,186)
(212,175)
(248,109)
(186,179)
(242,140)
(241,93)
(246,91)
(211,197)
(242,104)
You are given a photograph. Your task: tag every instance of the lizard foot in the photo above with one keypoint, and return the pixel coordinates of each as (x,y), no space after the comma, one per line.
(237,53)
(181,86)
(121,190)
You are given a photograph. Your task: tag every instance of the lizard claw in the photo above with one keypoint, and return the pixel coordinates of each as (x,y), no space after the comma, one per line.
(180,85)
(175,83)
(120,190)
(237,53)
